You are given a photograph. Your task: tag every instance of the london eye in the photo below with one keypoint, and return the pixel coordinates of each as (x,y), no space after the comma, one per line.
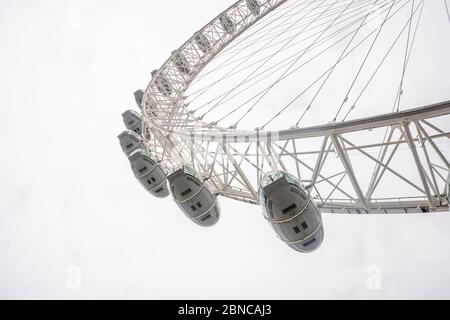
(302,107)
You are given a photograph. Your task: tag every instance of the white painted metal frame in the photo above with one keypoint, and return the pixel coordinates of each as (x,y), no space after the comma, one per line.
(233,161)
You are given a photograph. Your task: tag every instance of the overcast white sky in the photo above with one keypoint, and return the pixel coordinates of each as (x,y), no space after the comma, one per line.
(74,223)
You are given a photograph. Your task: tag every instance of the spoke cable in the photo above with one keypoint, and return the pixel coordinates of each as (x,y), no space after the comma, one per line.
(318,78)
(293,57)
(295,61)
(265,61)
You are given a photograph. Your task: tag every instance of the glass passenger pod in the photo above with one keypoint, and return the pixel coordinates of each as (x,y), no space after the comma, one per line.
(193,197)
(132,121)
(147,135)
(227,24)
(181,63)
(290,211)
(202,42)
(150,107)
(163,84)
(130,141)
(282,195)
(149,173)
(254,7)
(138,97)
(303,232)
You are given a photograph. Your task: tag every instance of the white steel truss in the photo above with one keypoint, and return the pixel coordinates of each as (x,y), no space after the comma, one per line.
(347,173)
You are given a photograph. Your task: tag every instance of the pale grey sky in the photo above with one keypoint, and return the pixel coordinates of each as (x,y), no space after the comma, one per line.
(74,223)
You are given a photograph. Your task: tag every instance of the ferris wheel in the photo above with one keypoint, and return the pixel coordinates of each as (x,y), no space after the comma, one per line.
(303,107)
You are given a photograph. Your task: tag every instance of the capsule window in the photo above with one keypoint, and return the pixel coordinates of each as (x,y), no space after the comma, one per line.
(148,181)
(142,169)
(289,209)
(304,225)
(199,204)
(205,217)
(193,208)
(159,190)
(202,42)
(129,145)
(307,243)
(153,179)
(253,5)
(131,122)
(296,229)
(186,192)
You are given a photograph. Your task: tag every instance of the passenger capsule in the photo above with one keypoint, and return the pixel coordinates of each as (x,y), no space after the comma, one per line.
(163,85)
(149,173)
(254,7)
(291,212)
(130,141)
(147,135)
(202,42)
(193,197)
(227,23)
(132,121)
(139,96)
(181,63)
